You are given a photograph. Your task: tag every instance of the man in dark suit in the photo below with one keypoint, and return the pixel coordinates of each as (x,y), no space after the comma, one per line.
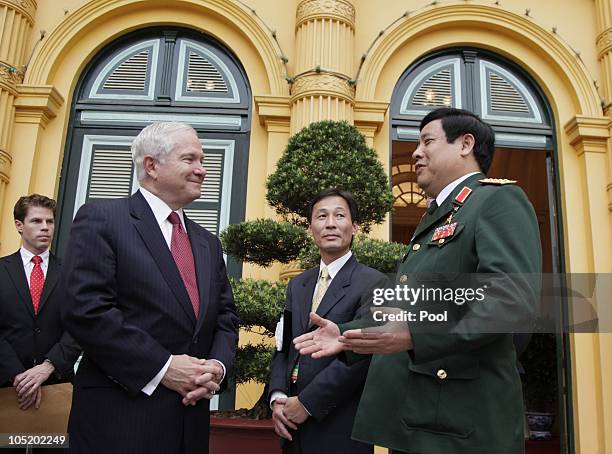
(149,300)
(452,387)
(314,400)
(34,348)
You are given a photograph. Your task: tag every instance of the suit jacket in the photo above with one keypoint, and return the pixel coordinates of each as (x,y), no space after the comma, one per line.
(129,309)
(327,387)
(27,339)
(459,390)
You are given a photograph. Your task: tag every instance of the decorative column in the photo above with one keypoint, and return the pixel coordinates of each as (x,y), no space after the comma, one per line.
(604,52)
(591,368)
(16,21)
(321,90)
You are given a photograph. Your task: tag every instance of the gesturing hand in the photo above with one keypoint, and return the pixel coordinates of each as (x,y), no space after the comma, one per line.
(324,341)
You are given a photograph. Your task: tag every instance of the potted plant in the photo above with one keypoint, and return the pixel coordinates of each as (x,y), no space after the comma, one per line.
(323,155)
(540,385)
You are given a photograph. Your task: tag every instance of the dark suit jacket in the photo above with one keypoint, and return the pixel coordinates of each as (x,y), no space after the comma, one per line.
(327,387)
(128,307)
(458,391)
(26,339)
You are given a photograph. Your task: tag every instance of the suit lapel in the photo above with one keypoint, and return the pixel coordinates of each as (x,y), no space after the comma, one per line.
(305,298)
(17,274)
(50,281)
(201,257)
(337,288)
(149,230)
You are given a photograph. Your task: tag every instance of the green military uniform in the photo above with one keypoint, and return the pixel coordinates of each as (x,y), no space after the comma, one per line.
(458,391)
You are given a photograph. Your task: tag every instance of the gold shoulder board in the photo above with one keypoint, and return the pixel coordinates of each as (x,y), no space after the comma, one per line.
(496,181)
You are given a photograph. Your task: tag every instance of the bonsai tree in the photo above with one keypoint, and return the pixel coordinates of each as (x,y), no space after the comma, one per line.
(323,155)
(329,154)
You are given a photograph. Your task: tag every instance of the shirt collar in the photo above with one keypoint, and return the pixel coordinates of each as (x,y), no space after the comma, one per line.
(160,209)
(336,265)
(26,256)
(444,193)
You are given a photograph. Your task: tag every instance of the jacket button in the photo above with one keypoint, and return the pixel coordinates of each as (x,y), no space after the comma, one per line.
(416,247)
(195,340)
(441,374)
(37,330)
(403,279)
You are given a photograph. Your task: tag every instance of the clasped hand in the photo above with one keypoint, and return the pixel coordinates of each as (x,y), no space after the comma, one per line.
(287,412)
(193,378)
(28,385)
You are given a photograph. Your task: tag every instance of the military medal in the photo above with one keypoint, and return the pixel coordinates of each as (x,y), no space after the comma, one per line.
(444,231)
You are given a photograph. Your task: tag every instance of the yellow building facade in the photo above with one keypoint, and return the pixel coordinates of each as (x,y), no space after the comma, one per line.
(310,60)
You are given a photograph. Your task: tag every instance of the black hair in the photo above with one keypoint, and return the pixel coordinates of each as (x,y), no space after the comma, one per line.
(456,122)
(334,192)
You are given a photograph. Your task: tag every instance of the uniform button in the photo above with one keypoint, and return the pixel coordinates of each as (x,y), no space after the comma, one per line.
(403,279)
(416,247)
(37,330)
(441,374)
(441,241)
(195,340)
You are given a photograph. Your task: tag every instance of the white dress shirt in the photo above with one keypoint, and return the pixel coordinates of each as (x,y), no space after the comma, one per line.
(333,268)
(161,211)
(28,264)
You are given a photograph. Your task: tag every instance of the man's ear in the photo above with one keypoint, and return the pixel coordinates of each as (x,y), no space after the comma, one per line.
(150,166)
(309,231)
(19,226)
(355,228)
(467,144)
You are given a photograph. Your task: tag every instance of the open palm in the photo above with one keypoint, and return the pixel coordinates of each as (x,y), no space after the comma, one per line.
(324,341)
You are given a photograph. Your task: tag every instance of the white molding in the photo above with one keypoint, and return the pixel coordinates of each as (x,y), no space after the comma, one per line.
(484,95)
(152,76)
(180,78)
(527,139)
(89,140)
(143,118)
(456,88)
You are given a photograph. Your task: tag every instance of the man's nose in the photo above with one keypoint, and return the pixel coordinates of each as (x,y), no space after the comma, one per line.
(330,222)
(417,153)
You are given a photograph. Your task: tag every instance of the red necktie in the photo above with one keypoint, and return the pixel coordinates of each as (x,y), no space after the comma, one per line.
(37,281)
(183,256)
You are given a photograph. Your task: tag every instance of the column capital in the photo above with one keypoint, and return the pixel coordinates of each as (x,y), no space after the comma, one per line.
(5,167)
(588,134)
(324,84)
(27,8)
(37,104)
(604,42)
(370,115)
(340,10)
(274,112)
(10,78)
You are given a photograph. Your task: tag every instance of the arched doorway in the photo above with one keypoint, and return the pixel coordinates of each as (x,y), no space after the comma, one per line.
(508,99)
(158,74)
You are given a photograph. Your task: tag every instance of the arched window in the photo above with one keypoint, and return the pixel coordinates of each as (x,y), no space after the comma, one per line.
(480,82)
(158,75)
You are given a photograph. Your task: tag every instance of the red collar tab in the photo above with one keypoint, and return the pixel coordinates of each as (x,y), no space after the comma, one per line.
(463,195)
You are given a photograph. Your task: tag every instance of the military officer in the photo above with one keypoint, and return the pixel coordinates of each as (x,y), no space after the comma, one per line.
(454,389)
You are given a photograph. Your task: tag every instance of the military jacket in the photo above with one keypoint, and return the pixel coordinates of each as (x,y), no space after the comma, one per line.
(458,390)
